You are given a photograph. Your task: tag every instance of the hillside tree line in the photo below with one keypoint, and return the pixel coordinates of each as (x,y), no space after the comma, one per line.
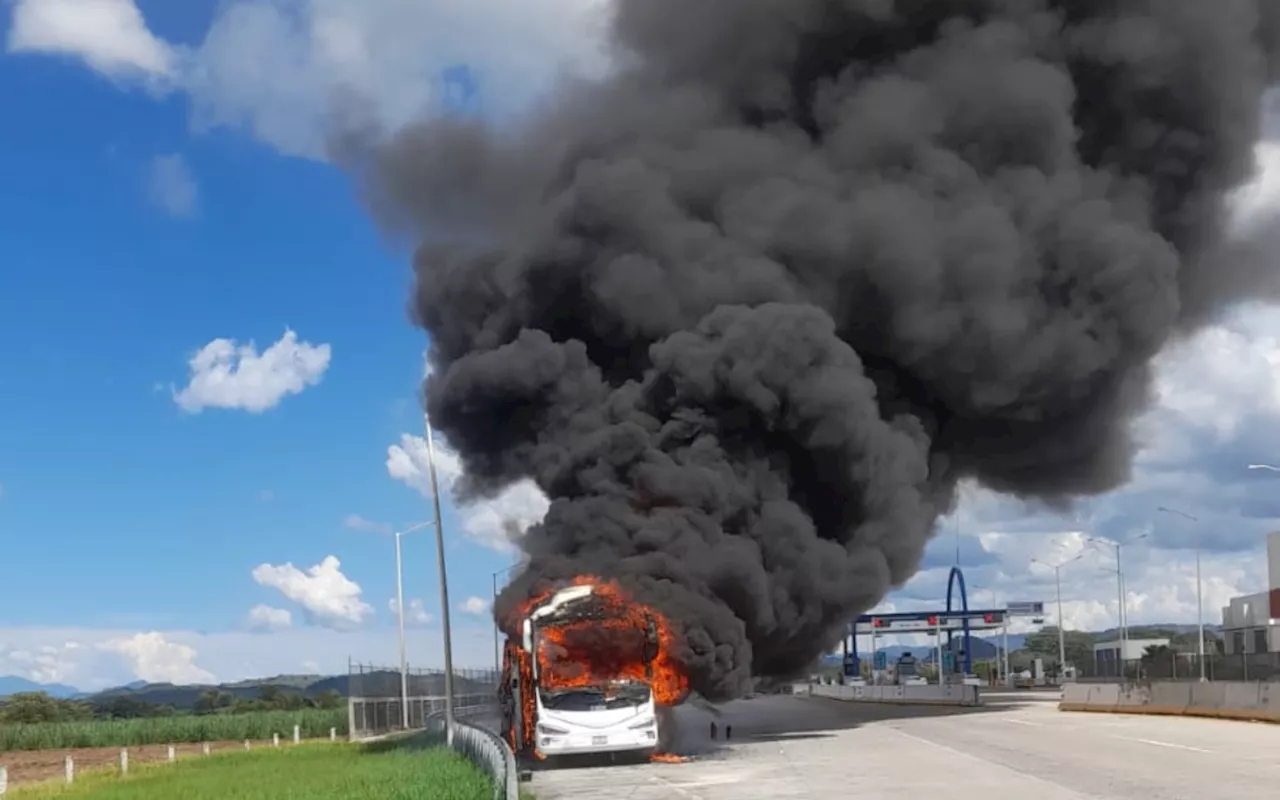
(38,707)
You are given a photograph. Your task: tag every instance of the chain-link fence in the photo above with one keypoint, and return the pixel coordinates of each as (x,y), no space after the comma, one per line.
(374,704)
(1169,665)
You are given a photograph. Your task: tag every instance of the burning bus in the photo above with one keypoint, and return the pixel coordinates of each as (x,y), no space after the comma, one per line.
(585,670)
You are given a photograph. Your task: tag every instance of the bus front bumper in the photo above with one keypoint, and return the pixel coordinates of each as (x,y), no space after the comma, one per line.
(615,740)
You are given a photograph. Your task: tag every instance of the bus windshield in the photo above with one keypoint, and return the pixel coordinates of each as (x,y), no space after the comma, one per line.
(594,698)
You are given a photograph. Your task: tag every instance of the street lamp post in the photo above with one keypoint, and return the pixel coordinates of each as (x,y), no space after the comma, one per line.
(444,583)
(497,646)
(404,665)
(1062,636)
(1199,587)
(1120,590)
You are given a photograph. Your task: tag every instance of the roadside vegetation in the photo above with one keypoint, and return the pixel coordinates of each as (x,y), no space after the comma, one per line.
(35,721)
(170,730)
(316,772)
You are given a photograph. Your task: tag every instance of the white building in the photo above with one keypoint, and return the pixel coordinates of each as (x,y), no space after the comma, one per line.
(1251,624)
(1108,653)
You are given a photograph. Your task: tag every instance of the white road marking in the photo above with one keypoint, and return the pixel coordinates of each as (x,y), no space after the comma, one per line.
(1167,744)
(1025,722)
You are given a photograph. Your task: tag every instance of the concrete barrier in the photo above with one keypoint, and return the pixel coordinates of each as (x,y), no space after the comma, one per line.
(1090,697)
(1133,697)
(930,695)
(1257,702)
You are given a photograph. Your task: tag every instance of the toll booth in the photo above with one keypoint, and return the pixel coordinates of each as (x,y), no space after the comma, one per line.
(955,658)
(906,671)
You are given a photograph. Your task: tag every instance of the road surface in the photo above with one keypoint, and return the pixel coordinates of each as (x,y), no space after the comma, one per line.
(1017,746)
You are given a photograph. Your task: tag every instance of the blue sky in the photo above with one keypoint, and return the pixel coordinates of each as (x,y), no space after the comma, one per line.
(166,203)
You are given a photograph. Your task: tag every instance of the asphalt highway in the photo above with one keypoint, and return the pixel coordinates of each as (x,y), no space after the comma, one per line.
(1017,746)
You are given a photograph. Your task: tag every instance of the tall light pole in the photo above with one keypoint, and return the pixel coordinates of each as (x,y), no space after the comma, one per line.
(1062,636)
(1120,593)
(1199,586)
(444,582)
(404,665)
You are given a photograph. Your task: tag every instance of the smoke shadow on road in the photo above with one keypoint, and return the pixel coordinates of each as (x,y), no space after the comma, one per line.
(781,718)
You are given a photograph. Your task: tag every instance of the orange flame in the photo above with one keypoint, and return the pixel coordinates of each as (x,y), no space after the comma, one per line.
(595,651)
(667,758)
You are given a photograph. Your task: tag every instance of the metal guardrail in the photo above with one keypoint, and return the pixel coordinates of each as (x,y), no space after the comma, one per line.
(368,717)
(488,751)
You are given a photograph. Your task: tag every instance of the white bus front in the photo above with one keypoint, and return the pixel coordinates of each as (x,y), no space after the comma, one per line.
(619,717)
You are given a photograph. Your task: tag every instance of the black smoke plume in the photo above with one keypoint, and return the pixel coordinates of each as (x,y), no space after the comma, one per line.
(749,307)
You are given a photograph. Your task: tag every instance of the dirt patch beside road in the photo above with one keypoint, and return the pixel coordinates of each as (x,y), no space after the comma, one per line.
(30,766)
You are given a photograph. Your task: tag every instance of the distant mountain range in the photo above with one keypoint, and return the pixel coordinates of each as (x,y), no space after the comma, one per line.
(12,684)
(380,684)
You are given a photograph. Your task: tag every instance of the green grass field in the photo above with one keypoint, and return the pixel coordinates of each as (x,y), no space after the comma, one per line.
(171,730)
(315,772)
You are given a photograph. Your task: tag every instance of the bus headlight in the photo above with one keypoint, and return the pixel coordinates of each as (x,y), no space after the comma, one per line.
(550,730)
(648,722)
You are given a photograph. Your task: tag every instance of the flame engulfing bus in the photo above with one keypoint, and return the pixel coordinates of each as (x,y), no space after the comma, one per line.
(590,672)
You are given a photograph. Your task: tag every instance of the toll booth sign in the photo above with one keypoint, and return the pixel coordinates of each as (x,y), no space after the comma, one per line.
(1026,609)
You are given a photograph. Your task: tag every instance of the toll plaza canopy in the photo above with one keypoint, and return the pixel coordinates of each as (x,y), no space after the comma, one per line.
(949,621)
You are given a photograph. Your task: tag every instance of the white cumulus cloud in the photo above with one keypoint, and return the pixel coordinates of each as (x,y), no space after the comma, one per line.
(225,374)
(496,523)
(328,597)
(415,613)
(474,605)
(92,659)
(111,36)
(155,659)
(289,72)
(1218,411)
(1223,375)
(172,187)
(263,617)
(42,663)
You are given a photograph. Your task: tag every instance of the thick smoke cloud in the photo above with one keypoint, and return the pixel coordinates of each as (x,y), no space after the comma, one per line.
(748,308)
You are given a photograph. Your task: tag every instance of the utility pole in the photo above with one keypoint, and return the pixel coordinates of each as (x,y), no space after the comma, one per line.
(444,583)
(1062,636)
(1199,587)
